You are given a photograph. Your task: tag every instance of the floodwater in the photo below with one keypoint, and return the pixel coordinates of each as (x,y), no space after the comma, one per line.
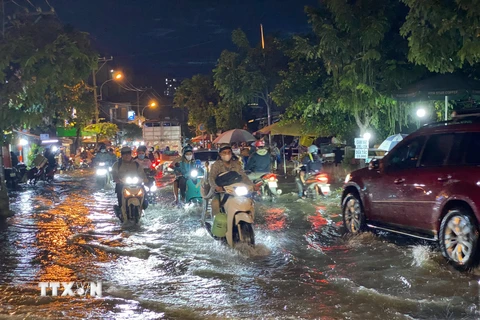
(303,266)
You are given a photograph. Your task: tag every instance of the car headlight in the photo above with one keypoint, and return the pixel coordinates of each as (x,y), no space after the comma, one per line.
(194,173)
(241,191)
(153,188)
(131,180)
(101,172)
(348,178)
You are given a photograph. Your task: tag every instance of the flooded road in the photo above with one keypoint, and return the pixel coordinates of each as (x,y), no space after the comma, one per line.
(303,266)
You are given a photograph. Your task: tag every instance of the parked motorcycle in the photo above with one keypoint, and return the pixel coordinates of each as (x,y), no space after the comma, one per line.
(234,223)
(103,175)
(133,194)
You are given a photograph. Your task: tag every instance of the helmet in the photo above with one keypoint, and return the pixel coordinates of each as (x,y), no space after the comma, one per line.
(126,150)
(313,149)
(187,149)
(260,143)
(226,147)
(142,148)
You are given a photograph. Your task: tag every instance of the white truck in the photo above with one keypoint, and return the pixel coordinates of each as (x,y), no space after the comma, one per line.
(163,133)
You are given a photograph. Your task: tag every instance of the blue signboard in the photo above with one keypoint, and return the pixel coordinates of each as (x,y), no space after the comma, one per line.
(131,115)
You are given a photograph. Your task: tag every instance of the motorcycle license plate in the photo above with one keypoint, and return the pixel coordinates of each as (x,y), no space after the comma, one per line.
(325,190)
(13,174)
(273,184)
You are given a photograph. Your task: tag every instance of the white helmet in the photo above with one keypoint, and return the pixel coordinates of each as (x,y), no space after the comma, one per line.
(313,149)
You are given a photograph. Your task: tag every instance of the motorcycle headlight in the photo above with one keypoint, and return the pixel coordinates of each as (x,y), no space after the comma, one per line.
(110,169)
(101,172)
(147,188)
(153,188)
(241,191)
(102,164)
(194,173)
(131,180)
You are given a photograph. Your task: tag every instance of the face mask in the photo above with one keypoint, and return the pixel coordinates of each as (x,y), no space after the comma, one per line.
(141,156)
(103,151)
(189,158)
(226,158)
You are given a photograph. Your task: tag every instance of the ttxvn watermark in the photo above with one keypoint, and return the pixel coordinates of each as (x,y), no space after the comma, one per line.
(82,289)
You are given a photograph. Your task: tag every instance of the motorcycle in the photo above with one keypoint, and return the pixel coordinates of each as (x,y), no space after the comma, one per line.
(133,194)
(234,223)
(268,186)
(151,187)
(103,175)
(193,184)
(316,185)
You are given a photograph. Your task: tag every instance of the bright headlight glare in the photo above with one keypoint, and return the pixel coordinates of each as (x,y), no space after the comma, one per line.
(147,188)
(131,180)
(153,188)
(194,173)
(101,172)
(101,164)
(241,191)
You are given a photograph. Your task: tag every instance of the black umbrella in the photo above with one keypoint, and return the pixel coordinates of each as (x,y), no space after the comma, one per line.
(443,86)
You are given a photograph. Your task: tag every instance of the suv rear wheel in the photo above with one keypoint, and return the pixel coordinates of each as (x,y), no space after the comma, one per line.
(459,239)
(353,214)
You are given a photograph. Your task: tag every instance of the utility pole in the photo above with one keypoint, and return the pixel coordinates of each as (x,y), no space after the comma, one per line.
(94,77)
(269,116)
(3,19)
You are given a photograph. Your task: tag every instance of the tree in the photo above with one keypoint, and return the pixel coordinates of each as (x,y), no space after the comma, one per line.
(199,96)
(249,74)
(103,130)
(40,62)
(132,131)
(360,48)
(443,35)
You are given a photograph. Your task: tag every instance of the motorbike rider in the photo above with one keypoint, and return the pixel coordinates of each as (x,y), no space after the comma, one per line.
(259,162)
(311,163)
(104,156)
(224,164)
(142,159)
(52,163)
(182,170)
(123,168)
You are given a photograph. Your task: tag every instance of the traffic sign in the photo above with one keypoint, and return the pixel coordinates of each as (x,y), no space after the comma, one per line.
(361,143)
(361,153)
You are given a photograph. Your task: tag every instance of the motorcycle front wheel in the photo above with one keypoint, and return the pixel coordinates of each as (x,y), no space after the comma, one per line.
(247,233)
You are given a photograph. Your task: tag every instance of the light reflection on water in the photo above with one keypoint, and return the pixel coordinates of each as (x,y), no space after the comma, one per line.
(168,267)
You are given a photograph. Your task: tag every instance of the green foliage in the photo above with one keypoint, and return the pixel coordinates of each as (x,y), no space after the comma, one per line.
(249,74)
(200,97)
(35,149)
(132,131)
(42,69)
(103,130)
(443,35)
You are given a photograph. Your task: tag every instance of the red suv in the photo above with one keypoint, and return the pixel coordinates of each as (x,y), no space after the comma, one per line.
(428,187)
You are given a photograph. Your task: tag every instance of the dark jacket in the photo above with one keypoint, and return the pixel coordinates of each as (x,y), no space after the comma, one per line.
(260,161)
(313,163)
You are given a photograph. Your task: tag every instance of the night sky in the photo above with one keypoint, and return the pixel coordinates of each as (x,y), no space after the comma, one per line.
(155,38)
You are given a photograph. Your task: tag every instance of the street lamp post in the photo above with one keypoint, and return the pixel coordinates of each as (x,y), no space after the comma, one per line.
(117,77)
(152,104)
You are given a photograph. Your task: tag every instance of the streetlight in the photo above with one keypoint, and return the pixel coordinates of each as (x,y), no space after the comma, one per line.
(367,135)
(152,104)
(421,113)
(116,76)
(23,142)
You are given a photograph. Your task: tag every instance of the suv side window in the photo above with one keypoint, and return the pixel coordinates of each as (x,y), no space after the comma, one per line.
(406,156)
(437,150)
(473,150)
